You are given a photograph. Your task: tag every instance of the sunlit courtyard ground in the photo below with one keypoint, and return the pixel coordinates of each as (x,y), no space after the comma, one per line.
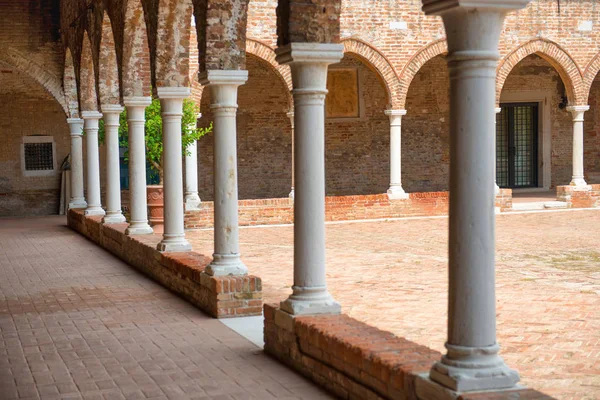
(394,275)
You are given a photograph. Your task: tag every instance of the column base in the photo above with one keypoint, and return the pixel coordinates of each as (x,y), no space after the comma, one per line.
(192,202)
(114,218)
(226,264)
(77,203)
(139,229)
(313,300)
(579,182)
(291,195)
(397,193)
(466,369)
(174,244)
(94,211)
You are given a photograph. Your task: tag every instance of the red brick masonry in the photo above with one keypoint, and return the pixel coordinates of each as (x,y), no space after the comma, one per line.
(183,273)
(587,197)
(355,360)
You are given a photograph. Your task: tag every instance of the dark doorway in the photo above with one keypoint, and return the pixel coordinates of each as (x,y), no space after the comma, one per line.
(517,145)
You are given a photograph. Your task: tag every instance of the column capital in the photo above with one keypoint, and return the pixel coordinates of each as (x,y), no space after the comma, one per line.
(75,126)
(223,77)
(395,112)
(137,101)
(326,53)
(438,7)
(91,115)
(173,92)
(577,112)
(111,108)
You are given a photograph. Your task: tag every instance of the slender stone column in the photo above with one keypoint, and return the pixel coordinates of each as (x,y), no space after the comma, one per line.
(77,196)
(192,200)
(90,126)
(138,208)
(171,102)
(224,86)
(290,115)
(308,63)
(396,191)
(577,112)
(472,361)
(111,114)
(498,110)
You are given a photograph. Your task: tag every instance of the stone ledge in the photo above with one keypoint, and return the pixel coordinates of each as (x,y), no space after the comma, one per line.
(356,361)
(182,273)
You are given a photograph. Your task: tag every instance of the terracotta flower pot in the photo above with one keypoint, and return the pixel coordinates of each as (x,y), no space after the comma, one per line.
(156,207)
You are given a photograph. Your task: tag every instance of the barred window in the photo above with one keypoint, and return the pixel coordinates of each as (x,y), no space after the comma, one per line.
(38,156)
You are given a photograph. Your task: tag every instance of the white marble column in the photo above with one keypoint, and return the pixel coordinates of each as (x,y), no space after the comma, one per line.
(577,112)
(138,207)
(473,31)
(171,102)
(396,191)
(308,63)
(224,86)
(290,115)
(90,126)
(192,200)
(498,110)
(111,113)
(77,196)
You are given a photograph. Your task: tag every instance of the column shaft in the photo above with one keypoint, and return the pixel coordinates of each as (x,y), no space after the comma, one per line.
(90,126)
(138,209)
(113,176)
(396,191)
(171,101)
(577,112)
(192,200)
(77,195)
(224,86)
(308,63)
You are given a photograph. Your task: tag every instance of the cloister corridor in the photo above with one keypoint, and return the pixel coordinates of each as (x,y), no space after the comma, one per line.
(65,303)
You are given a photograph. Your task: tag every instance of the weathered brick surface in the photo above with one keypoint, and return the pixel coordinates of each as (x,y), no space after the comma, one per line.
(588,197)
(183,273)
(310,21)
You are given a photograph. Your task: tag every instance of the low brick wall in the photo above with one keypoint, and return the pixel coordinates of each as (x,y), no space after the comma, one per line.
(183,273)
(356,361)
(576,197)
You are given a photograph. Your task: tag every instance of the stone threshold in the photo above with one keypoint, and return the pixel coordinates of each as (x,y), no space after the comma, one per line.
(180,272)
(355,361)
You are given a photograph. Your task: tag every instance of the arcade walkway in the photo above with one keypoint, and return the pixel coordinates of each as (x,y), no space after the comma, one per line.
(75,322)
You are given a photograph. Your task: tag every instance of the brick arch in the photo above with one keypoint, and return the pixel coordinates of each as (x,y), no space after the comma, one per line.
(136,52)
(555,56)
(381,64)
(267,54)
(591,71)
(88,98)
(415,63)
(51,83)
(70,86)
(108,72)
(172,62)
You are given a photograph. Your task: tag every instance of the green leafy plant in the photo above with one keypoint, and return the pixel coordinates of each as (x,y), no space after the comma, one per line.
(153,133)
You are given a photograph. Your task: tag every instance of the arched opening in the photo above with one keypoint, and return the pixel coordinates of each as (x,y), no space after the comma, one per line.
(534,131)
(264,144)
(34,141)
(425,129)
(356,130)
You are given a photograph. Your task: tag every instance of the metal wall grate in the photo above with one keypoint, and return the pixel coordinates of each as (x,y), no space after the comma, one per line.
(38,156)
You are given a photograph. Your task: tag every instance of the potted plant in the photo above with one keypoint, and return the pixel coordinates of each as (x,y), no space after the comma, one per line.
(154,149)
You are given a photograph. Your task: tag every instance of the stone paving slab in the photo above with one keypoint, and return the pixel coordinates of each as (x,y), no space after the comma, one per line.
(393,275)
(77,323)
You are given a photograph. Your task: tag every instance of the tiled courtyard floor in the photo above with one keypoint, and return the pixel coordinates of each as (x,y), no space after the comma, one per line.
(75,323)
(394,275)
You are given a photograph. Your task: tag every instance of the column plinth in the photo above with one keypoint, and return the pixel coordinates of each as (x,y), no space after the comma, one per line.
(224,87)
(90,126)
(171,102)
(77,195)
(308,63)
(396,191)
(111,113)
(473,31)
(192,200)
(578,177)
(138,207)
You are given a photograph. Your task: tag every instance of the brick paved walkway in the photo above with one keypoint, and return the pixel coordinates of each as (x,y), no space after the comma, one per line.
(394,275)
(75,323)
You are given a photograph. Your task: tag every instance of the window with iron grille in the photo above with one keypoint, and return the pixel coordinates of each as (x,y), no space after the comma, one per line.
(38,156)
